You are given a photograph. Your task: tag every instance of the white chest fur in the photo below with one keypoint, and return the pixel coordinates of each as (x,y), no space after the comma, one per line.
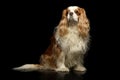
(72,42)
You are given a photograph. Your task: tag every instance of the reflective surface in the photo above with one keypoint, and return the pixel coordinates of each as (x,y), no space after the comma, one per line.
(48,75)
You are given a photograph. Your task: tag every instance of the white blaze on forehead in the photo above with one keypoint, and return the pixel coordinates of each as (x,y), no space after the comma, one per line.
(72,8)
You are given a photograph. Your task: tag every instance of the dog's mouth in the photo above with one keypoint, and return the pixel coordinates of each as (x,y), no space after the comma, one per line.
(72,20)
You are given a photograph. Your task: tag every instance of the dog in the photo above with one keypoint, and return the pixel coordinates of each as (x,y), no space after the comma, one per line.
(68,46)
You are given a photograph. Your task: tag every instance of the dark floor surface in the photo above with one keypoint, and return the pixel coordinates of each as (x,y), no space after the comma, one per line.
(49,75)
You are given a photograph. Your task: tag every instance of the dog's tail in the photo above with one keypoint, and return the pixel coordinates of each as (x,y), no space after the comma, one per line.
(29,67)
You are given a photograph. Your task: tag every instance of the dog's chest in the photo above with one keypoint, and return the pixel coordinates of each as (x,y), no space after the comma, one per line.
(71,42)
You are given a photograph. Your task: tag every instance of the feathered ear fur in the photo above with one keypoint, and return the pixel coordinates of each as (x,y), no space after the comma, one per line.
(63,23)
(84,25)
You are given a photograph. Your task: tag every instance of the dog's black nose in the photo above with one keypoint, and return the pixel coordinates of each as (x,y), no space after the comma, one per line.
(71,13)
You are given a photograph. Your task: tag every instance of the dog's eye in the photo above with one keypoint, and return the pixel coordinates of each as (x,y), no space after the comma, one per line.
(77,12)
(66,13)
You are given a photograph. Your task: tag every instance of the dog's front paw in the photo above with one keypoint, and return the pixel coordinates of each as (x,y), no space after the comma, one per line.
(62,69)
(80,68)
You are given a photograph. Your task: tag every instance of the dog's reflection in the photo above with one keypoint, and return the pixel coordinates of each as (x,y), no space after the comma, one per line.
(50,75)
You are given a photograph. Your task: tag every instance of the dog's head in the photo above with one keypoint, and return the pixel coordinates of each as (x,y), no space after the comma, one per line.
(74,13)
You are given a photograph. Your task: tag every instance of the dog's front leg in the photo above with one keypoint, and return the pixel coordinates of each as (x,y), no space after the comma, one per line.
(61,63)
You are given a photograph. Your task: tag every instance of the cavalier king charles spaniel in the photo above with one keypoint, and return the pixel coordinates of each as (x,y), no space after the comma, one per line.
(69,44)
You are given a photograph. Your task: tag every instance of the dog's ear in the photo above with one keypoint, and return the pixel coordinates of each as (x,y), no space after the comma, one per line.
(84,25)
(64,13)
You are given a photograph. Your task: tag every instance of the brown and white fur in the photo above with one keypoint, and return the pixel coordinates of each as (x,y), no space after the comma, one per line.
(69,44)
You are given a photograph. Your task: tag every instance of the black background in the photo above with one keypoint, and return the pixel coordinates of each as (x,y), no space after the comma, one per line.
(27,30)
